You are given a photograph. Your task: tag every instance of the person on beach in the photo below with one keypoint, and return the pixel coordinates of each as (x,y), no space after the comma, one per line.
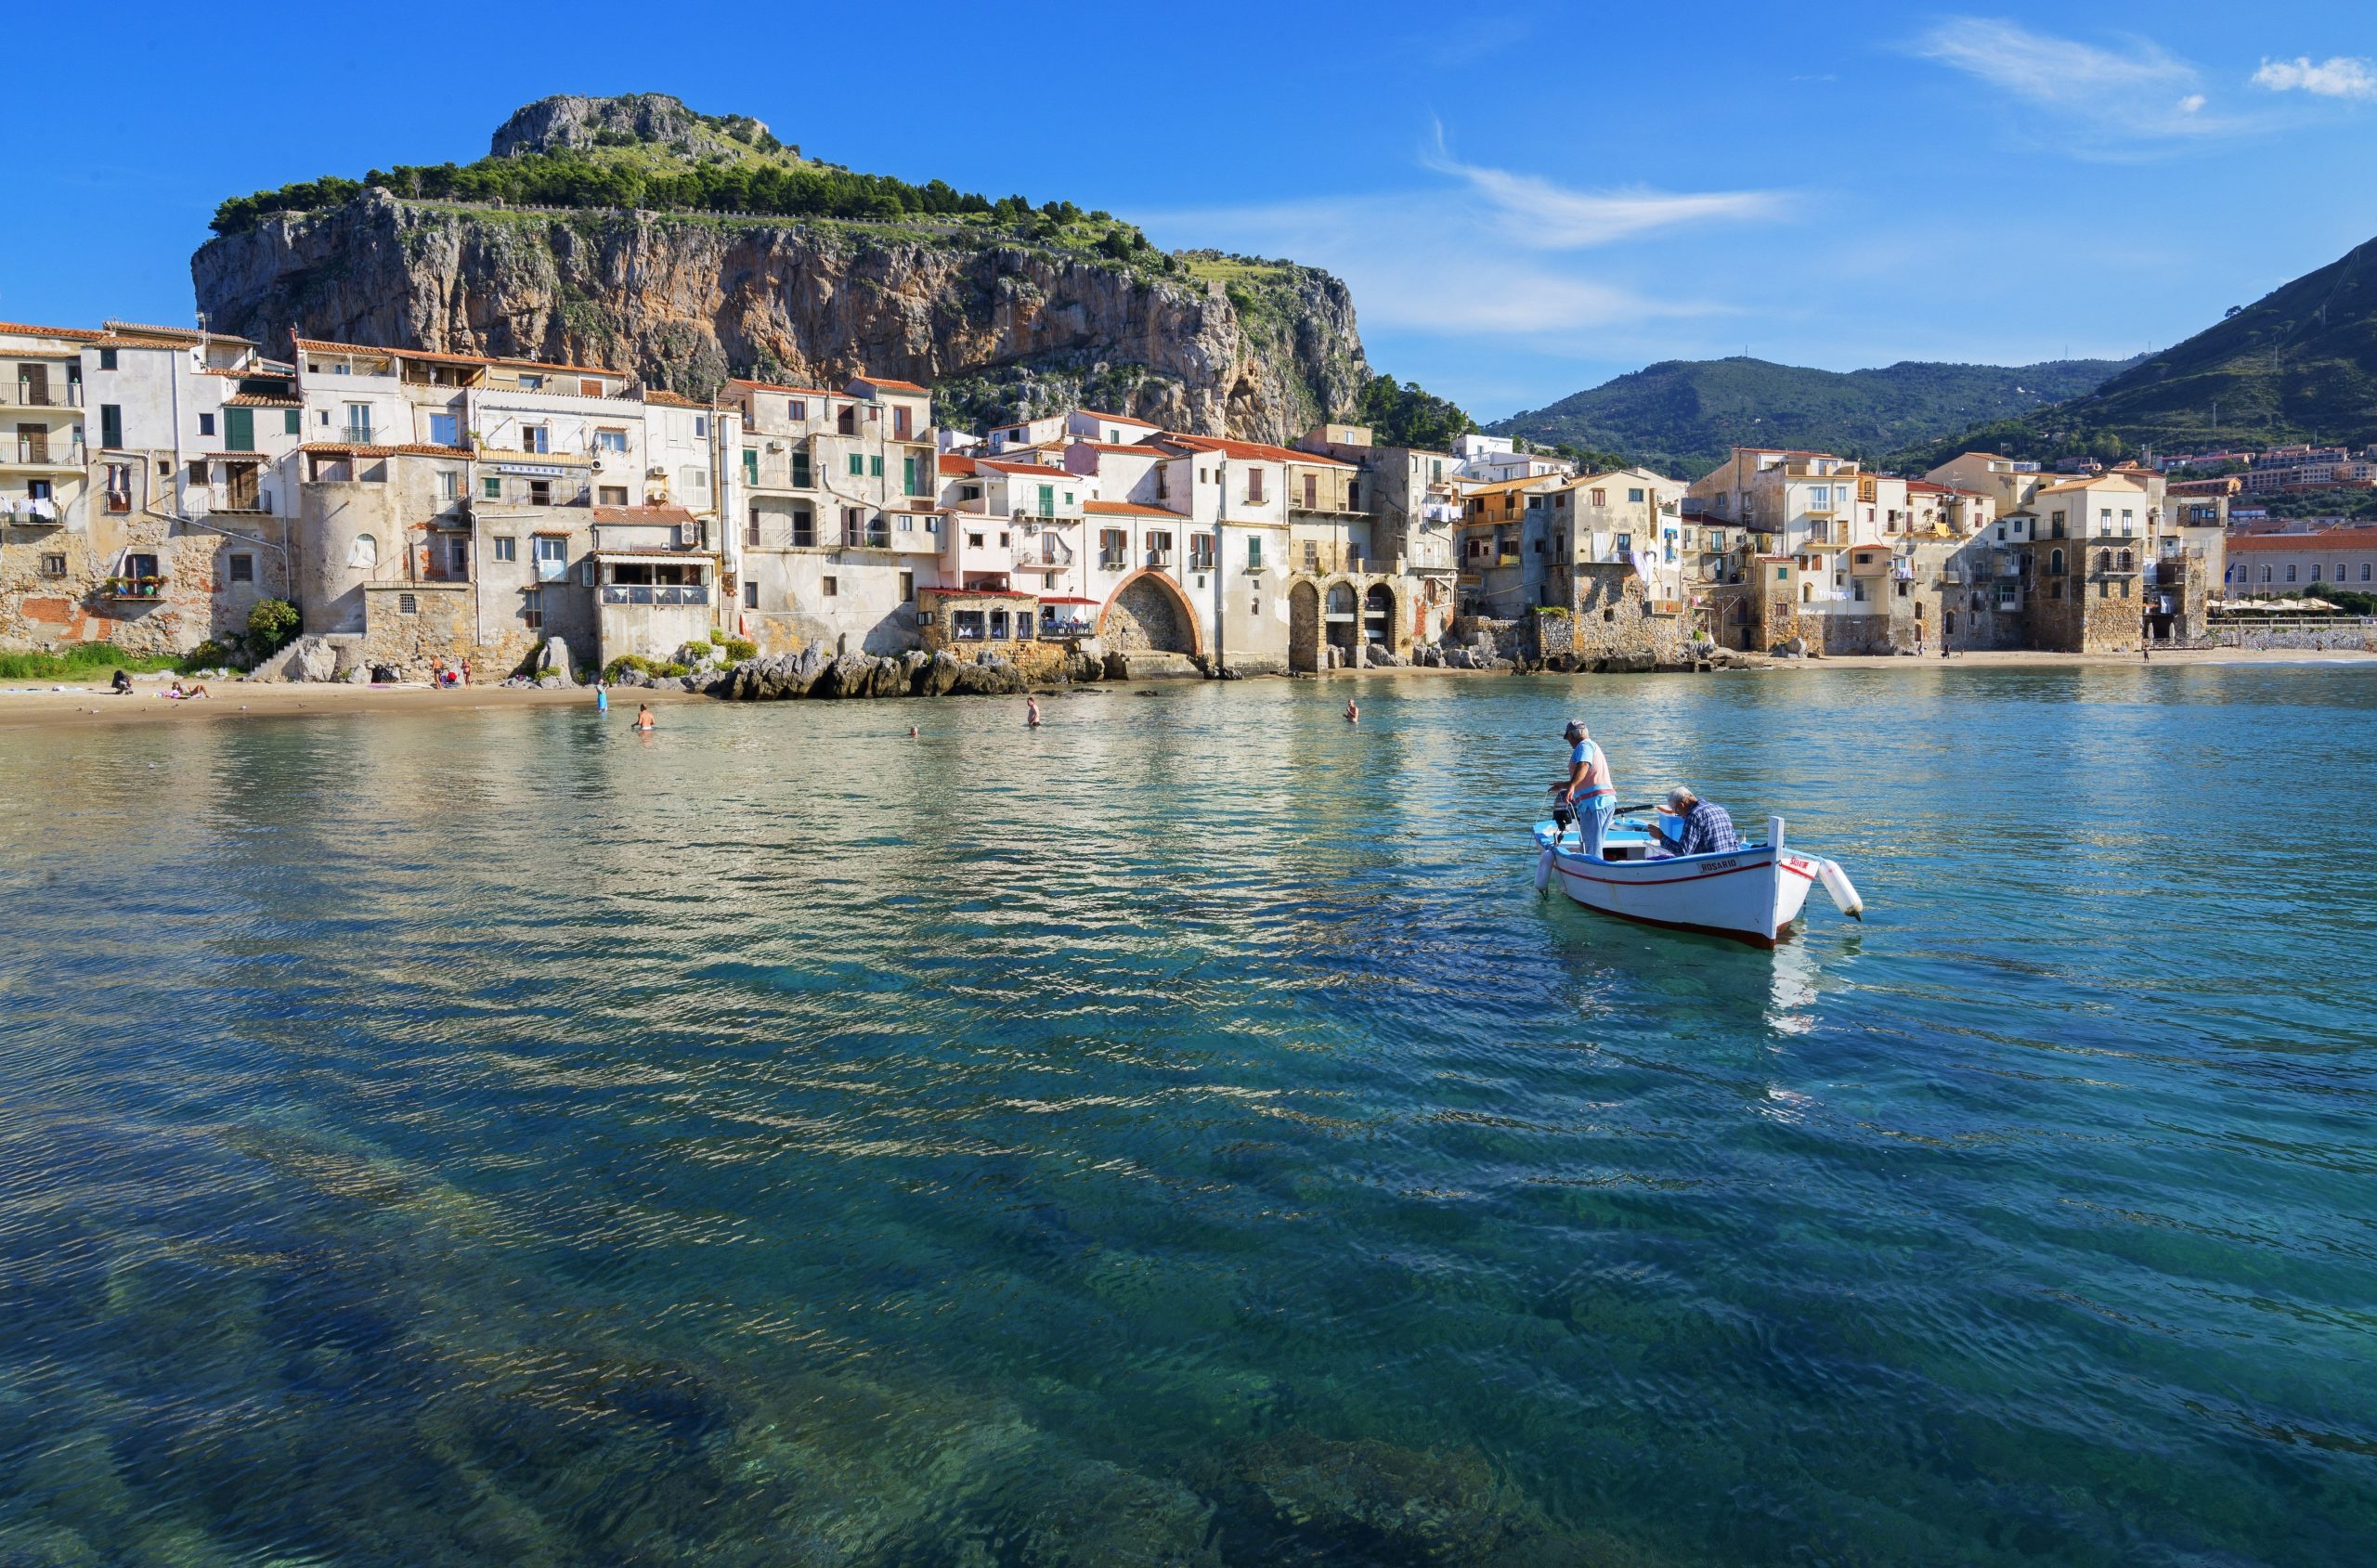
(644,718)
(466,673)
(121,684)
(1698,826)
(601,700)
(1589,794)
(1031,712)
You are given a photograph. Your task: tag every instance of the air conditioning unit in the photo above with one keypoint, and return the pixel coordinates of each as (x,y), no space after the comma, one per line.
(775,445)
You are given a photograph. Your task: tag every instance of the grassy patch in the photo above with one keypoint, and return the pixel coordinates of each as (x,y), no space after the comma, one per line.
(81,662)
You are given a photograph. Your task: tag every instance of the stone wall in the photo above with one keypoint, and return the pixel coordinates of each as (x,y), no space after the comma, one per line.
(197,601)
(1614,623)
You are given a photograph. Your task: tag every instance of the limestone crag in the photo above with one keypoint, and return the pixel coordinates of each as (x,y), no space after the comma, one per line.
(1001,324)
(815,674)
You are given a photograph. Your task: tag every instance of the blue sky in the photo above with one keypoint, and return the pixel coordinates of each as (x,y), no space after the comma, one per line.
(1526,200)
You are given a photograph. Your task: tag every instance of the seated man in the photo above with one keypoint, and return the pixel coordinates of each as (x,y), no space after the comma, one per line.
(1698,827)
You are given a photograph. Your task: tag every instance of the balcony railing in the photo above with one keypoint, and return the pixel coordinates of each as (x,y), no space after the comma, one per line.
(1112,560)
(132,588)
(34,451)
(1158,559)
(656,594)
(359,434)
(24,394)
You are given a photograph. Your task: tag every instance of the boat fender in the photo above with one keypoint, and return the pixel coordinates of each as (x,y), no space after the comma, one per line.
(1844,897)
(1542,870)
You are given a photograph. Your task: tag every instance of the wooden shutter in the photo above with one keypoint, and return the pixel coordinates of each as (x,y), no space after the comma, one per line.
(238,429)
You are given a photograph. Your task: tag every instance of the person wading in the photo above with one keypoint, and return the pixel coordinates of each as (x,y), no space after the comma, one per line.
(1590,792)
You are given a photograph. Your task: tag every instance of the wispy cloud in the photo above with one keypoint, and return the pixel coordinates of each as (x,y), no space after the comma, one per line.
(1481,256)
(1544,215)
(2341,76)
(2118,101)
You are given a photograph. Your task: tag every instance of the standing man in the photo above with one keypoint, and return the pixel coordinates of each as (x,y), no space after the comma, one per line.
(1590,792)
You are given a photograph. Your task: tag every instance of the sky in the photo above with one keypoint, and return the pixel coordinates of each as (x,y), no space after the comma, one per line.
(1524,200)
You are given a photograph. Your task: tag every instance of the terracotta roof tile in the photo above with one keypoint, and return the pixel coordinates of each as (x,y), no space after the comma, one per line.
(1132,509)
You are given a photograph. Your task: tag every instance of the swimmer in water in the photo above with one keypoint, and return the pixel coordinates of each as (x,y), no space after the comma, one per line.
(1353,714)
(644,718)
(1031,712)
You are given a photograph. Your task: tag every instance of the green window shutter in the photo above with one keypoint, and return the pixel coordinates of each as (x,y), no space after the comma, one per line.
(801,471)
(750,466)
(110,424)
(858,466)
(1047,500)
(908,475)
(292,422)
(875,468)
(238,429)
(493,488)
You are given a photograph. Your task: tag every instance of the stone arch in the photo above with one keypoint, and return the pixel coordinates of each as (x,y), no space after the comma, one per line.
(1304,627)
(1343,620)
(1148,613)
(1378,614)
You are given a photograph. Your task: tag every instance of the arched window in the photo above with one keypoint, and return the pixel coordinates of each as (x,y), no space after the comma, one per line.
(1807,593)
(2265,574)
(365,554)
(2055,563)
(2104,561)
(2126,561)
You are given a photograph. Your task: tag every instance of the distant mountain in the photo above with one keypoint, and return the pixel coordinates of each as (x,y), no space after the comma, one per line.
(2300,364)
(1691,412)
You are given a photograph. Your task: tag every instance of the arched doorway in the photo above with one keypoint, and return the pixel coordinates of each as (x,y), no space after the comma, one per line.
(1343,623)
(1149,615)
(1378,615)
(1304,627)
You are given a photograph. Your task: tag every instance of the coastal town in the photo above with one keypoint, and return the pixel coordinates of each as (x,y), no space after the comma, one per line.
(431,511)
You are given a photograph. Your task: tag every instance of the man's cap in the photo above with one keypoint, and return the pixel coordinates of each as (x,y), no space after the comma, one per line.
(1575,727)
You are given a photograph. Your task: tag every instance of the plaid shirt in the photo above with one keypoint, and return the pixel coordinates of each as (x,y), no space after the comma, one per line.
(1707,830)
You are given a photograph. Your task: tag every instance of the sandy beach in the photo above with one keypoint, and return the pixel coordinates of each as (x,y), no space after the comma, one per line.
(27,703)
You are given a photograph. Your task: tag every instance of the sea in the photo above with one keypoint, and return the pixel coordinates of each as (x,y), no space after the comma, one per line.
(1184,1135)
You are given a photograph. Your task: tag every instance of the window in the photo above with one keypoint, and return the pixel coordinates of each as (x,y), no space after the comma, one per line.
(491,488)
(907,587)
(610,440)
(750,465)
(1201,553)
(552,558)
(445,430)
(801,471)
(1112,547)
(874,466)
(1635,496)
(206,425)
(1255,552)
(796,408)
(750,596)
(536,438)
(450,485)
(2290,573)
(2364,571)
(1047,500)
(198,470)
(532,608)
(833,588)
(611,495)
(364,553)
(804,526)
(243,568)
(541,492)
(858,466)
(696,480)
(506,548)
(55,566)
(701,427)
(973,540)
(106,359)
(110,424)
(908,477)
(586,573)
(407,604)
(2265,574)
(1254,485)
(532,384)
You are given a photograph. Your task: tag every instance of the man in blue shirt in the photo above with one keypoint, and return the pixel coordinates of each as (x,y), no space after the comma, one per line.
(1589,793)
(1696,826)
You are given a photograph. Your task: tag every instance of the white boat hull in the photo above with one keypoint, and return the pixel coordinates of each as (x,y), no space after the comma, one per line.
(1751,895)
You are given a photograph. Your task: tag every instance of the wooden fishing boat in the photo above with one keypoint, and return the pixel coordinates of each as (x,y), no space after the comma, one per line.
(1751,894)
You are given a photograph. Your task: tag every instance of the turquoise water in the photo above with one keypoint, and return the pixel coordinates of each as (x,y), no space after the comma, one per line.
(1183,1134)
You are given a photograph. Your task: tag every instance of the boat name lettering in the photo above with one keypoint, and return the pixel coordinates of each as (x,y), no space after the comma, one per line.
(1715,866)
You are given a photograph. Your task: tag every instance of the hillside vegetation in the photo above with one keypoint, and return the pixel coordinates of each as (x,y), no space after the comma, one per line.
(2299,364)
(1687,414)
(693,163)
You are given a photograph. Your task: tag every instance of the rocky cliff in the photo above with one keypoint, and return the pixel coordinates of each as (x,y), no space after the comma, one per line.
(1002,325)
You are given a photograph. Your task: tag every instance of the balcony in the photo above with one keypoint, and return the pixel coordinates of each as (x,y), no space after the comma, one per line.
(656,594)
(132,588)
(25,395)
(32,451)
(359,434)
(1159,560)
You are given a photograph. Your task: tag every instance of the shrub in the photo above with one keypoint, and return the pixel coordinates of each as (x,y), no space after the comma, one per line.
(718,636)
(270,624)
(740,648)
(209,654)
(642,666)
(81,661)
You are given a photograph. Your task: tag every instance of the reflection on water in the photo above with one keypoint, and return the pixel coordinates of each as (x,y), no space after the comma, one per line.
(1182,1134)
